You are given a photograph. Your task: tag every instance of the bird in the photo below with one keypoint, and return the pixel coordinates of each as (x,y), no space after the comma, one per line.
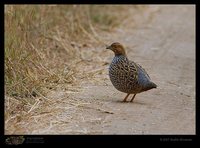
(127,76)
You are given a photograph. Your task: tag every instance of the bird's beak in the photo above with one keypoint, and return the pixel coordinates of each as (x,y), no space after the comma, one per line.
(108,47)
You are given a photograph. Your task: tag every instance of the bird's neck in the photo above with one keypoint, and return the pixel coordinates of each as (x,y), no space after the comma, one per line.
(119,58)
(120,53)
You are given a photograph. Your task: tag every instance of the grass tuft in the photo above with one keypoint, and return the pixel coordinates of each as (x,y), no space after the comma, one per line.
(43,40)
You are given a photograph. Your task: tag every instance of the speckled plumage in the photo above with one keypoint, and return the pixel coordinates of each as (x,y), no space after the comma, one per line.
(127,76)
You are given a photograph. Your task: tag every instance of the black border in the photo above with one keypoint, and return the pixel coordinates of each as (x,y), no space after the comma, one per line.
(102,2)
(112,139)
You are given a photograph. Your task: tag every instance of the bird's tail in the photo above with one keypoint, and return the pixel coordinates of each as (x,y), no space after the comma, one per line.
(150,86)
(153,85)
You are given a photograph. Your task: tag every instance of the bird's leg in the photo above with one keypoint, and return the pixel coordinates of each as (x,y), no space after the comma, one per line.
(126,98)
(133,98)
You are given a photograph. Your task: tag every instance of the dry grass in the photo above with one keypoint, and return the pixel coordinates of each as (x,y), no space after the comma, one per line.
(41,42)
(44,51)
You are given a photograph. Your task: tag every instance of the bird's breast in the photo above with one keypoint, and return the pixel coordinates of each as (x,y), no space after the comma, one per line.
(123,75)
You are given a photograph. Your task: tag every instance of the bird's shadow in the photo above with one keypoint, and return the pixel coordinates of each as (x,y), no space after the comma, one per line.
(134,102)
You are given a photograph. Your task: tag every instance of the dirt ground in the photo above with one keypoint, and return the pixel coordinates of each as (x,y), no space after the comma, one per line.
(164,44)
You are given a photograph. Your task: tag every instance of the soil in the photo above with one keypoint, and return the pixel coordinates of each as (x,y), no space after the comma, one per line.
(163,42)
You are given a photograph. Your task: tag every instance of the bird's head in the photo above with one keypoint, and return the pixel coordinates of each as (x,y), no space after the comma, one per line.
(117,48)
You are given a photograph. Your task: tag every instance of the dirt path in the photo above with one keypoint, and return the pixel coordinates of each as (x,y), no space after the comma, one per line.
(164,44)
(166,48)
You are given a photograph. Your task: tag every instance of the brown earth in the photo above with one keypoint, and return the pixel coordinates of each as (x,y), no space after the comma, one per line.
(163,42)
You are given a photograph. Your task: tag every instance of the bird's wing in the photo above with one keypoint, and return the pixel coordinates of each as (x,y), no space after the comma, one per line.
(143,70)
(133,70)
